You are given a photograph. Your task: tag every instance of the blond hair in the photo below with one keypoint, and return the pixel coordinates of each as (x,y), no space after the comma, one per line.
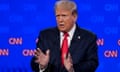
(66,5)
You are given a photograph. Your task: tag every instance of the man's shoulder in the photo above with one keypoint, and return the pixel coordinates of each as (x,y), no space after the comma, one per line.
(87,33)
(49,30)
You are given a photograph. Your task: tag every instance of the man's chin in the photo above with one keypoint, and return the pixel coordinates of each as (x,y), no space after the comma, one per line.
(62,30)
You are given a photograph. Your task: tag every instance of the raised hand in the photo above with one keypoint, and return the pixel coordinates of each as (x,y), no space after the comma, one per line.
(42,59)
(68,63)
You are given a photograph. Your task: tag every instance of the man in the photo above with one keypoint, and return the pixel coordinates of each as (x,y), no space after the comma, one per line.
(65,48)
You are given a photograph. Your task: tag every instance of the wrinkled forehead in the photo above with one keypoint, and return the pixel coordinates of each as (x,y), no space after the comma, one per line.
(62,12)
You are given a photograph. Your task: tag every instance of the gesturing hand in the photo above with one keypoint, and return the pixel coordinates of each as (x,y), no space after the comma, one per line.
(42,59)
(68,63)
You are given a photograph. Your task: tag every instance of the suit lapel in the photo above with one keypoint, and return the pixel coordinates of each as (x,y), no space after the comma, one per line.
(75,40)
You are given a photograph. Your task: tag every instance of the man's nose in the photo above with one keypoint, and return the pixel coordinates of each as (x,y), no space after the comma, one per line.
(60,18)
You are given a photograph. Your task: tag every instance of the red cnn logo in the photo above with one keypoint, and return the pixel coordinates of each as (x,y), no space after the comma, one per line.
(100,42)
(111,53)
(4,52)
(28,52)
(15,41)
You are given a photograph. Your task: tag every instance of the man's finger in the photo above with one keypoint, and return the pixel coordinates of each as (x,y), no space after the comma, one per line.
(48,52)
(37,61)
(36,53)
(65,56)
(69,56)
(39,50)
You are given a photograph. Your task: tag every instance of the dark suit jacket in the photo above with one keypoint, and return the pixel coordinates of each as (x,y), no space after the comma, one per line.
(83,49)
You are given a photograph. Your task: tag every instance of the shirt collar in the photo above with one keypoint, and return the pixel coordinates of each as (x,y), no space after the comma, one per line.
(71,32)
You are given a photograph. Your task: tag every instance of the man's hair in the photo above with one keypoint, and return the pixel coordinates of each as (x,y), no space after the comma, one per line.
(66,5)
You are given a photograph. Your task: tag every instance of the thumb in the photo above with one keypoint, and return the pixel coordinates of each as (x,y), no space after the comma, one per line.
(69,56)
(64,56)
(48,52)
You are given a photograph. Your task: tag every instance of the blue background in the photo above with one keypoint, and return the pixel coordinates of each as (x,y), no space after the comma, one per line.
(25,18)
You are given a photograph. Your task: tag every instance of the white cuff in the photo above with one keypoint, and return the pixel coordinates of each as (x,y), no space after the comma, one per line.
(41,70)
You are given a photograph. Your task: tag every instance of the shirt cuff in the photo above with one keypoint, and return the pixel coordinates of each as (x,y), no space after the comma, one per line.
(41,70)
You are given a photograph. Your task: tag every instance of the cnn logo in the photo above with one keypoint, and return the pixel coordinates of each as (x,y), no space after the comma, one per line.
(28,52)
(111,53)
(4,52)
(15,41)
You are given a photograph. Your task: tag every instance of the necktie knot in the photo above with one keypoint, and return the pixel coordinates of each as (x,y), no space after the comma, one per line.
(66,34)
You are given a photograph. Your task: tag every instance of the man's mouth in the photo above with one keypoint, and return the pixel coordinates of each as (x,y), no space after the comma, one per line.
(61,25)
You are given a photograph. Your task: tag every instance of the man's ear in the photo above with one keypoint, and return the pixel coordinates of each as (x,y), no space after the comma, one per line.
(75,17)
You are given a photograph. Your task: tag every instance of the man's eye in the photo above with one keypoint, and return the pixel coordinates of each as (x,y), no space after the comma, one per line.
(64,15)
(61,15)
(57,15)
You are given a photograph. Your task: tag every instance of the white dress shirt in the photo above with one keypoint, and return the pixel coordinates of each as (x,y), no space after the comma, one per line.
(71,33)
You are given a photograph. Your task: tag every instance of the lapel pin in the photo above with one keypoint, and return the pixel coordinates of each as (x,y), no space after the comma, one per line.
(78,37)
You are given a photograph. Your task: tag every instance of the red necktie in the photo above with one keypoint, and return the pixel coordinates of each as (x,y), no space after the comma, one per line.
(64,49)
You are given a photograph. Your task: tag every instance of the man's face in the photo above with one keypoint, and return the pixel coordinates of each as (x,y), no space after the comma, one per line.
(65,20)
